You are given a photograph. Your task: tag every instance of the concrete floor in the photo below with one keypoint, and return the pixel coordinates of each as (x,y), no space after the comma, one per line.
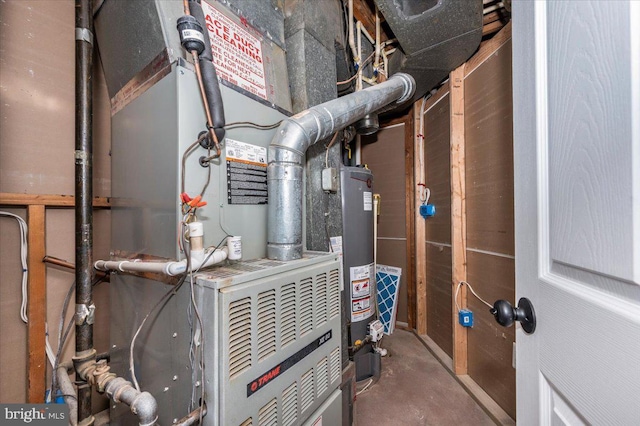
(415,389)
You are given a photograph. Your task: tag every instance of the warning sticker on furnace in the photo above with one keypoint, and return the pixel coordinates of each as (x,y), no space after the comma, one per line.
(246,173)
(237,54)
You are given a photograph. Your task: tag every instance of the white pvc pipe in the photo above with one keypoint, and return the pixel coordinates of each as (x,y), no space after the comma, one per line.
(366,33)
(166,268)
(376,62)
(359,62)
(352,43)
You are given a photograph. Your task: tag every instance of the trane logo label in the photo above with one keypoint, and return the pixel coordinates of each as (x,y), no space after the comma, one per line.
(266,378)
(257,384)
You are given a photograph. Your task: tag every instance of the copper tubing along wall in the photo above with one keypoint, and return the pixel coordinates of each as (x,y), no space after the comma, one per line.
(287,154)
(209,75)
(84,195)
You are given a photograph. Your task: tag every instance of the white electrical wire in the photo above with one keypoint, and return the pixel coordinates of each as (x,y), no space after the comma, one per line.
(24,250)
(365,387)
(425,193)
(23,260)
(472,291)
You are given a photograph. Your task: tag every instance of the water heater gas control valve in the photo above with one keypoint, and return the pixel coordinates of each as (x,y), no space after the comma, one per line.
(376,330)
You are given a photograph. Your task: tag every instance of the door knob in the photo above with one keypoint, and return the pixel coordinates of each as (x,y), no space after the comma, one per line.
(506,314)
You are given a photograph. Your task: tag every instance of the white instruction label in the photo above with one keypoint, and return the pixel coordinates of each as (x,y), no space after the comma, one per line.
(237,54)
(245,152)
(246,173)
(336,247)
(336,244)
(368,204)
(361,296)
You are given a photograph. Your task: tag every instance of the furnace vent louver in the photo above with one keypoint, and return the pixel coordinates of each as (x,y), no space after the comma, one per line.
(280,343)
(334,294)
(306,306)
(288,315)
(321,299)
(268,415)
(335,364)
(322,373)
(239,336)
(290,405)
(248,422)
(306,390)
(266,324)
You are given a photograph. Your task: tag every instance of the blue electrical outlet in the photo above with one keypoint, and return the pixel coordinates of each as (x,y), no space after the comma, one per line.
(427,210)
(465,318)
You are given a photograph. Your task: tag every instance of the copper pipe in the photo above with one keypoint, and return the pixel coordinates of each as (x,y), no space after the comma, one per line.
(67,265)
(58,262)
(196,62)
(185,3)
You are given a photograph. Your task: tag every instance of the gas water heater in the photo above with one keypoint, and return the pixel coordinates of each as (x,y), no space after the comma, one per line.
(359,266)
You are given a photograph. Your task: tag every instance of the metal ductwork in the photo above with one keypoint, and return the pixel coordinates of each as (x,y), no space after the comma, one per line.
(435,37)
(287,156)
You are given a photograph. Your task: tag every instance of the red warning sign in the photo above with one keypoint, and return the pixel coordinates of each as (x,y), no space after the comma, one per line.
(237,54)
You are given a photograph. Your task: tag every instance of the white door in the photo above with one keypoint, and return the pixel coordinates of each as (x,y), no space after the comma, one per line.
(576,99)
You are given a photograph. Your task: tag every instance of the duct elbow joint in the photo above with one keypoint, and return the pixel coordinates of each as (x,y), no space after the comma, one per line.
(290,142)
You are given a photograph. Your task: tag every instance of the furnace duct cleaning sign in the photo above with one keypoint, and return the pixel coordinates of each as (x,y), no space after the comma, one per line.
(237,54)
(246,173)
(361,278)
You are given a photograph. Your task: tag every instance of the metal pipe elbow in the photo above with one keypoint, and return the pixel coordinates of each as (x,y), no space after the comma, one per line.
(145,407)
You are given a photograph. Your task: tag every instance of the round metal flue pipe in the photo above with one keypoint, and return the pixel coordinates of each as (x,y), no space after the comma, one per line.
(287,154)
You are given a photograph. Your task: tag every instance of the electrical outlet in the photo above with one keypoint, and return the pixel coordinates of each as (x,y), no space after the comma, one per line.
(465,318)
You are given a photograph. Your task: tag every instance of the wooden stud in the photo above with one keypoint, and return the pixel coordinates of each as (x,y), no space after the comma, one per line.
(488,49)
(492,27)
(364,11)
(37,306)
(410,222)
(458,217)
(420,233)
(11,199)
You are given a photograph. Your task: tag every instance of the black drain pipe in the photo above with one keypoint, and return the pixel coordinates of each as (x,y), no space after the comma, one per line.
(83,201)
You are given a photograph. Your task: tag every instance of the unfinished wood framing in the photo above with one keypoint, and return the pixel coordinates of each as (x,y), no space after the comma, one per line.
(474,240)
(11,199)
(420,251)
(37,305)
(410,223)
(487,49)
(36,205)
(458,217)
(438,228)
(389,154)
